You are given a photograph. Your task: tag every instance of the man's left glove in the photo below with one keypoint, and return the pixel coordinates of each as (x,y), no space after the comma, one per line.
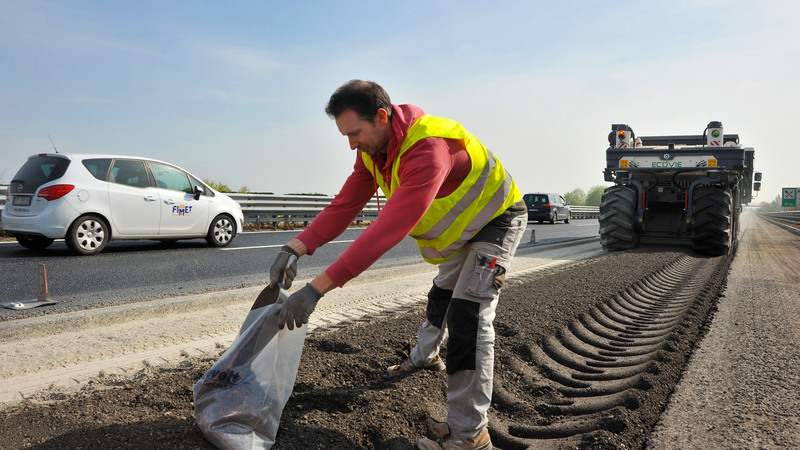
(284,268)
(296,309)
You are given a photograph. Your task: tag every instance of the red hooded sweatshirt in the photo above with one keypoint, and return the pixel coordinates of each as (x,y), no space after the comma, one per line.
(432,168)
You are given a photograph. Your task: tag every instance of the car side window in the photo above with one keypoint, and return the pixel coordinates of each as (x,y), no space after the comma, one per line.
(196,182)
(98,167)
(169,177)
(130,172)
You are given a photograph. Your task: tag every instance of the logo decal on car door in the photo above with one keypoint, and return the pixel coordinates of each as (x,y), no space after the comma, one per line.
(181,210)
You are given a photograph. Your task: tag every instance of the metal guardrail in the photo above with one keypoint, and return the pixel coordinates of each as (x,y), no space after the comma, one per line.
(266,208)
(786,216)
(584,212)
(262,208)
(788,220)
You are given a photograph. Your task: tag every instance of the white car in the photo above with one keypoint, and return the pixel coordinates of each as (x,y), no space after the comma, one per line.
(90,199)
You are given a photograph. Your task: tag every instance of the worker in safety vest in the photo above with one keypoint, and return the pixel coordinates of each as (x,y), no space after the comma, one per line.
(463,209)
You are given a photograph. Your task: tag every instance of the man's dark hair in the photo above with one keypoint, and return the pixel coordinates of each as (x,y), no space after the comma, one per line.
(363,97)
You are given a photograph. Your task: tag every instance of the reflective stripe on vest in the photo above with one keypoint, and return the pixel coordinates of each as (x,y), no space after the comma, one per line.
(451,221)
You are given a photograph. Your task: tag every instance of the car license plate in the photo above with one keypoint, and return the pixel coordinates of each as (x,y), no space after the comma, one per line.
(21,201)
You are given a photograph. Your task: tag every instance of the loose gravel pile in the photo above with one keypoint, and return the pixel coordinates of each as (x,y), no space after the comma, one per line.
(342,400)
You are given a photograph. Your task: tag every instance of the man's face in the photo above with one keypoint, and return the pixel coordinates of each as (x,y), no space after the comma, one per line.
(369,137)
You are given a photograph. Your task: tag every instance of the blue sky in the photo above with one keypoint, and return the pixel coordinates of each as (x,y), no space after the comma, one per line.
(235,91)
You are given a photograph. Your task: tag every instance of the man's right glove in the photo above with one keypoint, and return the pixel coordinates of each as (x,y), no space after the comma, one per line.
(296,309)
(284,268)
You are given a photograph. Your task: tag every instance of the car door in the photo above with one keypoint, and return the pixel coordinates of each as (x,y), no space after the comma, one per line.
(558,204)
(564,207)
(134,204)
(181,213)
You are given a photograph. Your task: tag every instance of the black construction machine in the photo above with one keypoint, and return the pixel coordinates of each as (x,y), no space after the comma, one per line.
(685,190)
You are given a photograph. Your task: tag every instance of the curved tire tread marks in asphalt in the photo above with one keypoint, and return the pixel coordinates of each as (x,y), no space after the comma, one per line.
(587,379)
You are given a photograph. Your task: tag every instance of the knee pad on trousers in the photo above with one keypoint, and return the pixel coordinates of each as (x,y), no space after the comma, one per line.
(462,326)
(438,300)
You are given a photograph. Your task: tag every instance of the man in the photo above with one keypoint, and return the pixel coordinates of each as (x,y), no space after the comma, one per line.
(446,190)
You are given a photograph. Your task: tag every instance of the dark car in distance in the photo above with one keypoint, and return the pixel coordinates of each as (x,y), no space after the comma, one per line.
(547,207)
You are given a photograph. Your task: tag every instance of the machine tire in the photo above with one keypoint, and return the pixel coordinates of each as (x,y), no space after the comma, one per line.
(617,210)
(712,221)
(88,235)
(221,232)
(34,242)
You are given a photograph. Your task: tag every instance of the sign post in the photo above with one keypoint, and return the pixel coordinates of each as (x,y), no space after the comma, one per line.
(789,198)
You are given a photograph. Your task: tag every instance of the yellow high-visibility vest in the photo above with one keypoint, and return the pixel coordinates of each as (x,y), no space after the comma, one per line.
(451,221)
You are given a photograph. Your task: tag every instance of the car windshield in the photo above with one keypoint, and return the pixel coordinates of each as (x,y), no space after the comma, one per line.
(38,171)
(535,199)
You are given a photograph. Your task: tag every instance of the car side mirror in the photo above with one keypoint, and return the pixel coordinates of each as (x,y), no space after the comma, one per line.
(757,186)
(198,191)
(758,176)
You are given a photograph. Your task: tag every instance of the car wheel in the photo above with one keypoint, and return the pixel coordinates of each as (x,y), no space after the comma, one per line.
(567,219)
(553,219)
(88,235)
(221,232)
(34,242)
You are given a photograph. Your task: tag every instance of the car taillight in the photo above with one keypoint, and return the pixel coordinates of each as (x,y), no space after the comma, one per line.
(547,206)
(55,192)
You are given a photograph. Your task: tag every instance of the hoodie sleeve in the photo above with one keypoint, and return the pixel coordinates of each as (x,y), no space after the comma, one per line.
(343,210)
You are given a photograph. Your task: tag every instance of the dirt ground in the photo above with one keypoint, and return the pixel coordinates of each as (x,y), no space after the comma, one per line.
(342,400)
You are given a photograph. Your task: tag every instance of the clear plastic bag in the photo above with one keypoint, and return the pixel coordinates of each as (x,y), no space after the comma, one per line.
(239,401)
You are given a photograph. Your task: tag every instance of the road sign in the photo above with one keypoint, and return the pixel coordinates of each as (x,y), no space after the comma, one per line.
(789,198)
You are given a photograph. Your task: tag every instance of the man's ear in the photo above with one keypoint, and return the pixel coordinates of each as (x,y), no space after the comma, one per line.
(382,118)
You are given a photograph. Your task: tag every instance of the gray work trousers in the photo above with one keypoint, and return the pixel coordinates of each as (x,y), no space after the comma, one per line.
(461,309)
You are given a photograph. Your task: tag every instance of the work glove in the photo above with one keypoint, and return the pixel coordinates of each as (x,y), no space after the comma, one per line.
(284,268)
(296,309)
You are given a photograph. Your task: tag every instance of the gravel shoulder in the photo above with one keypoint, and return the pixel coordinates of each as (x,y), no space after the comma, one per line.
(740,388)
